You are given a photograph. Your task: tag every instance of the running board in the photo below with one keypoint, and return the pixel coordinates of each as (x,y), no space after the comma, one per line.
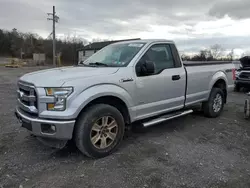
(166,117)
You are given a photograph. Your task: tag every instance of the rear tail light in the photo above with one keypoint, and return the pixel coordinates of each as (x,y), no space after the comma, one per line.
(234,74)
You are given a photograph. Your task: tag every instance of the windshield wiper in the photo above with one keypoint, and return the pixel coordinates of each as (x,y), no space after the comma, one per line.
(99,64)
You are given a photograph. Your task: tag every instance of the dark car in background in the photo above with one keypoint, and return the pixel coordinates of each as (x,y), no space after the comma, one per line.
(243,74)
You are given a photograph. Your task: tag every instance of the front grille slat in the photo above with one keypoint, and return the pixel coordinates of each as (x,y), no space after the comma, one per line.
(27,99)
(245,75)
(27,108)
(24,91)
(26,103)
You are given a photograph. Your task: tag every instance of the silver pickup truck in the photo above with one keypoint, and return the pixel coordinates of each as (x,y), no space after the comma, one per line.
(141,81)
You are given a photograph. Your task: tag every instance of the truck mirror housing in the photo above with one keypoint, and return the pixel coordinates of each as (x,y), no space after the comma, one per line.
(148,67)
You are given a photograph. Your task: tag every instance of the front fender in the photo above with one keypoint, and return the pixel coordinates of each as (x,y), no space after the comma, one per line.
(94,92)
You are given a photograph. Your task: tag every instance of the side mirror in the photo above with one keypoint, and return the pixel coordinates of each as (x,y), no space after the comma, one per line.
(148,67)
(80,62)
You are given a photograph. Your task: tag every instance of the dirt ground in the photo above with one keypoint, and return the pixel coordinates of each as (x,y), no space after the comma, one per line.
(191,151)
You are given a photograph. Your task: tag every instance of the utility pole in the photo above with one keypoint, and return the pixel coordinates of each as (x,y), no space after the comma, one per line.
(21,53)
(55,19)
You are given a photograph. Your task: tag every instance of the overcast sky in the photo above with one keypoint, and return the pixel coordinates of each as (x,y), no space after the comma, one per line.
(193,24)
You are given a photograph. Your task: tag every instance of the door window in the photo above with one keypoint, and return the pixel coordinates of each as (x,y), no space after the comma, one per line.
(161,55)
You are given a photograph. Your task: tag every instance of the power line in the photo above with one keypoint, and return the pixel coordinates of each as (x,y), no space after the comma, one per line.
(55,19)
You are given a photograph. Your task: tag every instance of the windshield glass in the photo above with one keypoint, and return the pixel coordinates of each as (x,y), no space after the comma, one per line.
(115,55)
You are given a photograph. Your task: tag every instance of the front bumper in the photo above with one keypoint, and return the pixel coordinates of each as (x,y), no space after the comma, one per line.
(242,83)
(63,129)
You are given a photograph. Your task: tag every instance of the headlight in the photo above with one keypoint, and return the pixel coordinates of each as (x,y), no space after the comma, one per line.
(60,95)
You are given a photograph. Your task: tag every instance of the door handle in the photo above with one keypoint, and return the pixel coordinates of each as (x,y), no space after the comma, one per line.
(176,77)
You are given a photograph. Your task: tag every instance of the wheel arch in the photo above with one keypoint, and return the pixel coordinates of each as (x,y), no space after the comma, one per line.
(112,101)
(105,94)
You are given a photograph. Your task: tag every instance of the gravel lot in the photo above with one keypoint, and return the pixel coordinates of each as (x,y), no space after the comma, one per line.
(191,151)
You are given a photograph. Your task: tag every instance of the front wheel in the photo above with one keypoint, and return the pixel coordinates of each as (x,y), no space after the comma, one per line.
(99,130)
(215,104)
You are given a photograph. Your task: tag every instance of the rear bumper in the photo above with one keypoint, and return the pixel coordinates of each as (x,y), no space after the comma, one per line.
(63,130)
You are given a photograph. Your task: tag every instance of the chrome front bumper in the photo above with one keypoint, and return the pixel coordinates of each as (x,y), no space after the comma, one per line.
(63,129)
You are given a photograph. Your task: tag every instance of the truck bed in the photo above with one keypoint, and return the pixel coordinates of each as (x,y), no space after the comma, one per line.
(206,73)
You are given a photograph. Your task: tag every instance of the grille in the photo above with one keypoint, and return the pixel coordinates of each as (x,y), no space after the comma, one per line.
(245,75)
(26,97)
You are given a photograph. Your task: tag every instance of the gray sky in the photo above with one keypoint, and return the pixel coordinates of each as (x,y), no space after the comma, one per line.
(194,24)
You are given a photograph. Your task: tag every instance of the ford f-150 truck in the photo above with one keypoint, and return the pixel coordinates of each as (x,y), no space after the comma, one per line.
(134,81)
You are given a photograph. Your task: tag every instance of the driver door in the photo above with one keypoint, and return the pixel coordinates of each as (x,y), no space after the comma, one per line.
(164,90)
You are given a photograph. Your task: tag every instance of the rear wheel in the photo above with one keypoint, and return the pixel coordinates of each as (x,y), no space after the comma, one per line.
(99,130)
(215,104)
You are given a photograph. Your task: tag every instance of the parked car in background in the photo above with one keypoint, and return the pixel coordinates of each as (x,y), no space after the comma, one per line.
(243,74)
(134,81)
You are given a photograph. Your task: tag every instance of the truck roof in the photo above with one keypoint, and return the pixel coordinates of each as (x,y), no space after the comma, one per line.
(147,41)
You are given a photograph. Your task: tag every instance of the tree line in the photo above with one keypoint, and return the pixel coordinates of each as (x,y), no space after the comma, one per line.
(214,53)
(23,45)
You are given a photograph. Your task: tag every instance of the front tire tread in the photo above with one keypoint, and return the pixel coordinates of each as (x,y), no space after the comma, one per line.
(84,125)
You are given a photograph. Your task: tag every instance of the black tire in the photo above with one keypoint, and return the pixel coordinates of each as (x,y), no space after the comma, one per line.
(84,124)
(237,88)
(208,109)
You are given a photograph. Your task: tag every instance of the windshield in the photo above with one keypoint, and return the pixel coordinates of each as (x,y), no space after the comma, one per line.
(115,55)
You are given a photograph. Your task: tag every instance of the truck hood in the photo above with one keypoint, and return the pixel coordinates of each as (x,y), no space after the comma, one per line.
(58,76)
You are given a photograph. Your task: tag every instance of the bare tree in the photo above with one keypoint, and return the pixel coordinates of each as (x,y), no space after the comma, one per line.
(185,57)
(243,54)
(216,51)
(230,55)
